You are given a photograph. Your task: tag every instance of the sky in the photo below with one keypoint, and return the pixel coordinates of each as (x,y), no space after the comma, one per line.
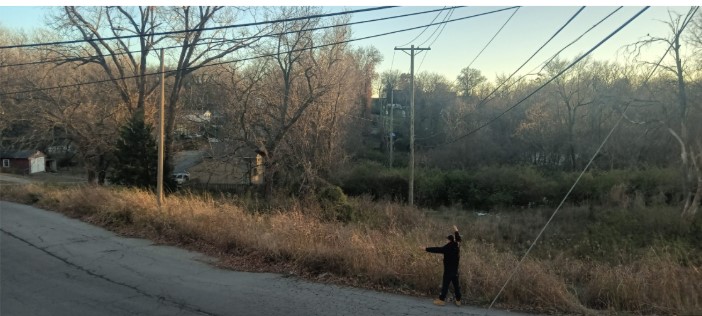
(461,41)
(454,47)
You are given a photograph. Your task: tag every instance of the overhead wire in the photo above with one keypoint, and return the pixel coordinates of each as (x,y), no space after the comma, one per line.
(545,64)
(486,99)
(81,58)
(260,56)
(450,12)
(471,63)
(548,61)
(424,30)
(686,21)
(577,180)
(493,37)
(448,16)
(552,78)
(212,28)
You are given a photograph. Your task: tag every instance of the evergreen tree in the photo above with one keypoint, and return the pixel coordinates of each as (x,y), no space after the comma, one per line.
(136,155)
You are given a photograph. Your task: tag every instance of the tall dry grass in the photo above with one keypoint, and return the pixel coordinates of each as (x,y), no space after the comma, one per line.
(380,251)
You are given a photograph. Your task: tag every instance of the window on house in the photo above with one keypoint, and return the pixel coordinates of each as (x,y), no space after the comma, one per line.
(6,163)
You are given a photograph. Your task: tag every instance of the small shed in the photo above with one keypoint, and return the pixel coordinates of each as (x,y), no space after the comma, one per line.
(22,161)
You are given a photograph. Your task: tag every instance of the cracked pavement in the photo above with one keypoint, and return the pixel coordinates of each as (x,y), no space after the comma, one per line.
(54,265)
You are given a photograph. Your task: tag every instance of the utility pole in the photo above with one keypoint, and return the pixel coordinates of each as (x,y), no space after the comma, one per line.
(159,180)
(392,127)
(412,49)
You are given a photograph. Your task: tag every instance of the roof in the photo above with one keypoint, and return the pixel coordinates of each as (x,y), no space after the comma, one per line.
(20,154)
(224,149)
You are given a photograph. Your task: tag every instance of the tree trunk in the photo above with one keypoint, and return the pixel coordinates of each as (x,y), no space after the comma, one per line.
(91,176)
(268,174)
(103,164)
(693,196)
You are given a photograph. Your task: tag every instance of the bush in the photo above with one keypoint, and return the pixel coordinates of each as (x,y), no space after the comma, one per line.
(514,186)
(335,204)
(373,179)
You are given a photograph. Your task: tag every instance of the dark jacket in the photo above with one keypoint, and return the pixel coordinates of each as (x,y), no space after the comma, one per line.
(452,254)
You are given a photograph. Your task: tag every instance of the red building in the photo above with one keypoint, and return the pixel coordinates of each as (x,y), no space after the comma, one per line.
(22,161)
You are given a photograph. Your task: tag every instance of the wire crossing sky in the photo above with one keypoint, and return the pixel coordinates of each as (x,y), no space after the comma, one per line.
(154,49)
(461,41)
(271,54)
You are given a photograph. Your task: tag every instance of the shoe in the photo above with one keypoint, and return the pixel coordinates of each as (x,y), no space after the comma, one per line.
(439,302)
(458,303)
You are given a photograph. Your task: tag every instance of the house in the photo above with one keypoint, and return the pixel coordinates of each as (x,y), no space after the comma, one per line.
(60,153)
(222,164)
(22,161)
(196,124)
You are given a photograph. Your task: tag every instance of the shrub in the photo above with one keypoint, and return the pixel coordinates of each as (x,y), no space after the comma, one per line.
(514,186)
(334,204)
(373,179)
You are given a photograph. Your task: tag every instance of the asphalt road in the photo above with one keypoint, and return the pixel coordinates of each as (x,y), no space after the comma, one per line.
(54,265)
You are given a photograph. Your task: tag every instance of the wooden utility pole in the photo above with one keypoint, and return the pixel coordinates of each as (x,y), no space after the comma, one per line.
(412,49)
(159,180)
(392,127)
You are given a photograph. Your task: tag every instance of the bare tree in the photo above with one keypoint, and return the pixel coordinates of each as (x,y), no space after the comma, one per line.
(574,90)
(291,106)
(199,47)
(123,61)
(680,122)
(434,95)
(190,30)
(80,117)
(468,82)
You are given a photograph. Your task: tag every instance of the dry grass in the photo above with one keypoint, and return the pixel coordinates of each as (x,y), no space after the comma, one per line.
(381,251)
(650,286)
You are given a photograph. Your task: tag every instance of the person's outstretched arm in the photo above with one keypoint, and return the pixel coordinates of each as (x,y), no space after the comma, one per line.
(456,234)
(434,249)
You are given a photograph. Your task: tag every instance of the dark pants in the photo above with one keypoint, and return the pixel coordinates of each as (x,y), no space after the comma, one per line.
(451,277)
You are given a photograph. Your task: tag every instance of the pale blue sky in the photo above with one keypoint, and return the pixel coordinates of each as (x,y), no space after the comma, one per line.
(461,41)
(531,26)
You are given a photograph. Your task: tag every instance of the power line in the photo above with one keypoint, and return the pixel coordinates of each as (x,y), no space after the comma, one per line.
(545,63)
(482,102)
(493,37)
(578,38)
(485,100)
(448,16)
(550,80)
(580,175)
(81,58)
(260,56)
(556,211)
(198,29)
(424,30)
(686,21)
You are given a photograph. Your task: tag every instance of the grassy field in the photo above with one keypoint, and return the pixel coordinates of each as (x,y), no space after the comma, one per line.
(591,260)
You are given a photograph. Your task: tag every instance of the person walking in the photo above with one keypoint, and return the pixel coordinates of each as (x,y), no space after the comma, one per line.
(452,256)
